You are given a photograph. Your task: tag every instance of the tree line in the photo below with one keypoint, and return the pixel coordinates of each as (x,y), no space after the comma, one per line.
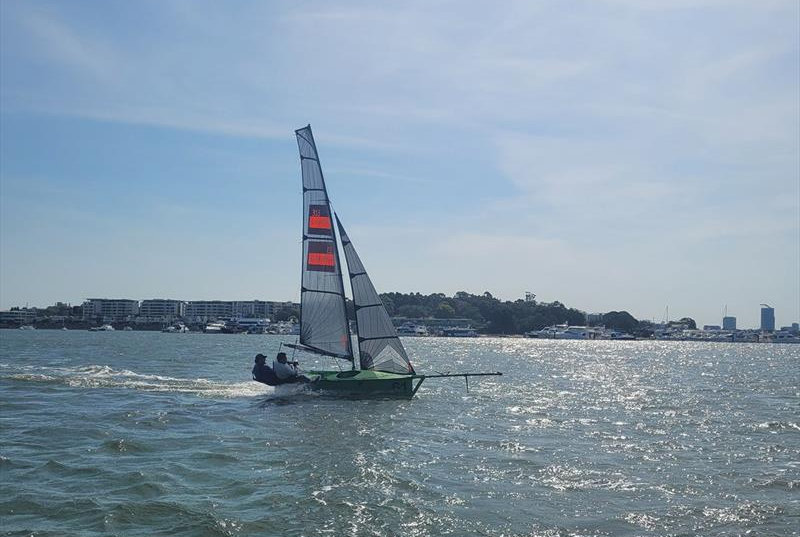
(493,316)
(490,315)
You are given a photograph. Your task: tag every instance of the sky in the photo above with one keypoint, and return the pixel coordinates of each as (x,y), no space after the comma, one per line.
(608,154)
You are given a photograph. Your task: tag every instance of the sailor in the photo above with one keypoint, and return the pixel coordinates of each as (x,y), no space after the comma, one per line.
(263,373)
(287,371)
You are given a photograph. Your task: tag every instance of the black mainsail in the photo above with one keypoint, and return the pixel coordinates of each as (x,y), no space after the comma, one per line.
(323,317)
(379,348)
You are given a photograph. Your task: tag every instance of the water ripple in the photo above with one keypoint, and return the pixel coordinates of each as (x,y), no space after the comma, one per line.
(148,434)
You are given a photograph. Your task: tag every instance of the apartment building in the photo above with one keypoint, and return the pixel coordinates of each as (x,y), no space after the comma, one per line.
(110,309)
(161,310)
(205,310)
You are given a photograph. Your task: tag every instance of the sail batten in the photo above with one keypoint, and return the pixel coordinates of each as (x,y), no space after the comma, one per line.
(379,348)
(318,291)
(323,316)
(313,350)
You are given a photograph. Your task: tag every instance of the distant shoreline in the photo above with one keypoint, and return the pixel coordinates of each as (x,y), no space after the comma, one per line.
(159,329)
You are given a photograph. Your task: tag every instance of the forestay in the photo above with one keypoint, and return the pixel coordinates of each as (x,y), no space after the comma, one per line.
(323,317)
(378,345)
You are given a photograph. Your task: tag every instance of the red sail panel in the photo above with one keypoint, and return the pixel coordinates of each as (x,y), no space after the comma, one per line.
(321,257)
(321,260)
(319,220)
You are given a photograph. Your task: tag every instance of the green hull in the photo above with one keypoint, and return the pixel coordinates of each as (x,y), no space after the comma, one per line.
(365,383)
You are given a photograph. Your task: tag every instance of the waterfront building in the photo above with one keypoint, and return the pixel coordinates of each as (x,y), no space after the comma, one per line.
(205,310)
(767,318)
(593,319)
(161,310)
(793,329)
(62,309)
(729,323)
(260,309)
(110,309)
(18,315)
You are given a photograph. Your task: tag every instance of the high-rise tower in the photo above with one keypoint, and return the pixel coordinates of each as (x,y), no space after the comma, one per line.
(767,318)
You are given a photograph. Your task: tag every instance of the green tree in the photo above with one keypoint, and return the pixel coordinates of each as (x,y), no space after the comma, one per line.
(412,311)
(444,311)
(620,320)
(501,321)
(286,313)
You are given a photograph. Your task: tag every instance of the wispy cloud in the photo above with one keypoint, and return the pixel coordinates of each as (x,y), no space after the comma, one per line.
(90,56)
(617,120)
(370,174)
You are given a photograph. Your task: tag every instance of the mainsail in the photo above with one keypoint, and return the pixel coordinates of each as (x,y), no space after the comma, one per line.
(323,317)
(378,345)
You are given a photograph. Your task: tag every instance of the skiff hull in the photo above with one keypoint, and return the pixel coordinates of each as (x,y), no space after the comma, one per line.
(365,383)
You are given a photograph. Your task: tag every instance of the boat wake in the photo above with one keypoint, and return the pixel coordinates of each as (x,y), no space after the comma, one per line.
(103,376)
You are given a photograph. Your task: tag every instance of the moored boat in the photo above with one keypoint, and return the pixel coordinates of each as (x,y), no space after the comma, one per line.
(783,337)
(459,331)
(214,328)
(177,328)
(410,329)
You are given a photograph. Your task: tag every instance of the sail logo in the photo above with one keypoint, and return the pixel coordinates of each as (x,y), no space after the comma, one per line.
(319,220)
(321,257)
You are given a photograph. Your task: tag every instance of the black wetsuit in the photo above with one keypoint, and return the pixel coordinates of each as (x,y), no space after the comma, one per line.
(264,373)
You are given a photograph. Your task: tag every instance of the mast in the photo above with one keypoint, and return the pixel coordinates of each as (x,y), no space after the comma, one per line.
(323,316)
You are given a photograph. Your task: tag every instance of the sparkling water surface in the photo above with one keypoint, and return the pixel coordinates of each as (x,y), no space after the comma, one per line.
(132,433)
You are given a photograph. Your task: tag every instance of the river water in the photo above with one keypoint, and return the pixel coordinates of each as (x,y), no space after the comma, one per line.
(132,433)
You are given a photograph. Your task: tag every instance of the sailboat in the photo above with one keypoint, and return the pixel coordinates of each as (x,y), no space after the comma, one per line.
(383,364)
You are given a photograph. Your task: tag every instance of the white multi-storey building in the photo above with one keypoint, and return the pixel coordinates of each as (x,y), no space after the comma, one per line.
(260,308)
(161,310)
(19,315)
(205,310)
(110,309)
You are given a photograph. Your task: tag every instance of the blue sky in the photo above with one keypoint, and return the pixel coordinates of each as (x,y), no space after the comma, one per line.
(611,154)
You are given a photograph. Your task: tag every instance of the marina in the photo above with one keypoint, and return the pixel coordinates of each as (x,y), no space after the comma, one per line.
(562,332)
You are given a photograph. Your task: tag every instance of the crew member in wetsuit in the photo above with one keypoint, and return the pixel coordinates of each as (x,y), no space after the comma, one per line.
(263,373)
(287,371)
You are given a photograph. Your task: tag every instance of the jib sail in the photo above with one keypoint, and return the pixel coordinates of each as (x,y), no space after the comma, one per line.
(379,347)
